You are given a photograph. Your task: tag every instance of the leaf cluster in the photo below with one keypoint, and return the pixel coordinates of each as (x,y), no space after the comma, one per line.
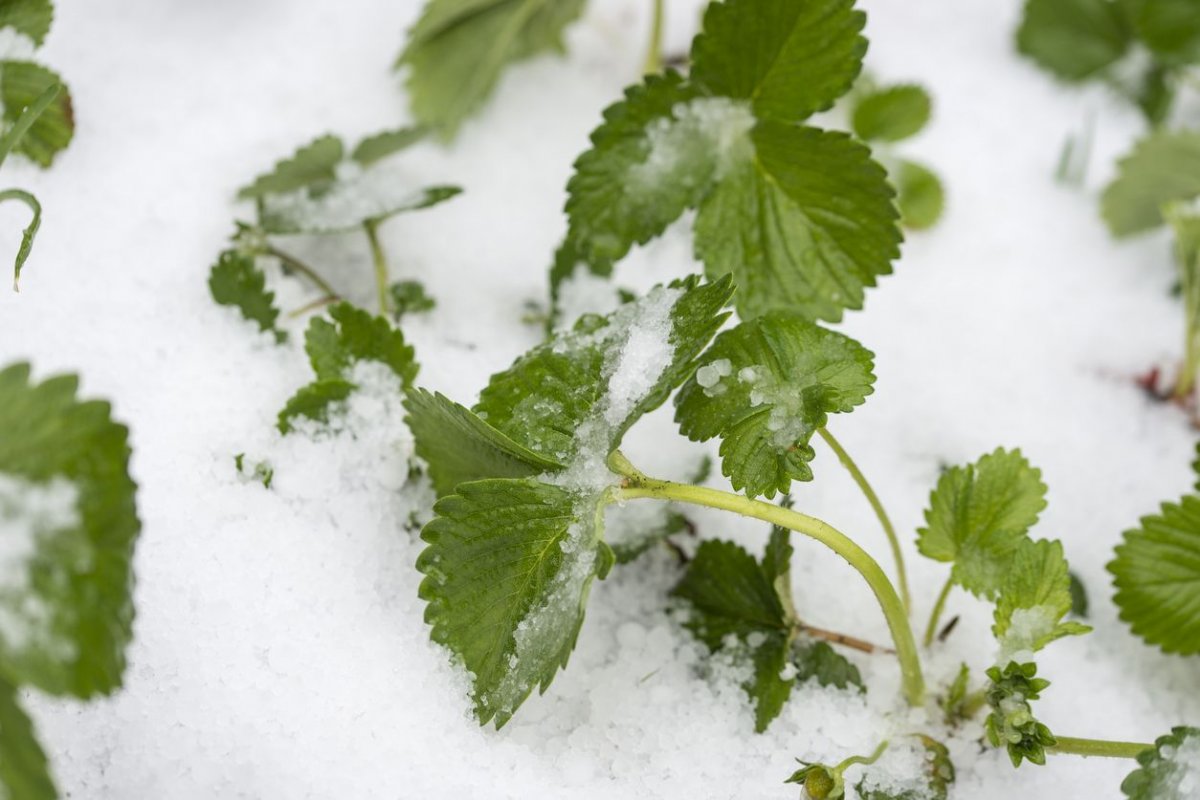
(1011,723)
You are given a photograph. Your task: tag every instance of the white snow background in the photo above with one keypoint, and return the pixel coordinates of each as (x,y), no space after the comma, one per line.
(280,650)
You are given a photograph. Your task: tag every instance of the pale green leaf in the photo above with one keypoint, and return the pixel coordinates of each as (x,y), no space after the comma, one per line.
(1073,39)
(892,113)
(29,17)
(919,195)
(313,166)
(24,773)
(765,387)
(1034,596)
(236,281)
(382,145)
(22,83)
(1163,167)
(1167,771)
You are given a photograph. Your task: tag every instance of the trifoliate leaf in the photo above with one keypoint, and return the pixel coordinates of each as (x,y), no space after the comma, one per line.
(977,516)
(313,166)
(1073,39)
(1169,28)
(24,773)
(815,221)
(381,145)
(460,447)
(595,381)
(355,335)
(892,113)
(1011,723)
(1035,594)
(507,573)
(28,234)
(1156,573)
(765,387)
(919,195)
(22,83)
(1168,771)
(654,156)
(29,17)
(409,297)
(236,281)
(69,522)
(314,401)
(789,58)
(1163,167)
(817,660)
(458,50)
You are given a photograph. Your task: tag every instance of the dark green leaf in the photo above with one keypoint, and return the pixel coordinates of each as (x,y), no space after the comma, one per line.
(409,297)
(1168,770)
(920,196)
(24,774)
(1079,598)
(1163,167)
(314,401)
(817,660)
(729,594)
(22,83)
(1011,723)
(236,281)
(768,689)
(892,113)
(355,335)
(1073,39)
(1170,28)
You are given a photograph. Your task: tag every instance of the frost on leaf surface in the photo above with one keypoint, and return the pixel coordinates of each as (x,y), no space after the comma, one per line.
(765,387)
(24,773)
(458,50)
(1074,39)
(67,530)
(1156,573)
(1168,771)
(1163,167)
(978,515)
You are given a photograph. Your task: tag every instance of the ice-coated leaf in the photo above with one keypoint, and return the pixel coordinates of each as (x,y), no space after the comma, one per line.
(24,773)
(22,83)
(1011,723)
(817,660)
(1156,573)
(355,335)
(919,195)
(458,50)
(1073,39)
(789,58)
(765,387)
(891,113)
(1168,771)
(313,401)
(236,281)
(70,523)
(381,145)
(544,399)
(507,571)
(458,446)
(977,516)
(29,17)
(814,218)
(312,166)
(1169,28)
(1034,596)
(1163,167)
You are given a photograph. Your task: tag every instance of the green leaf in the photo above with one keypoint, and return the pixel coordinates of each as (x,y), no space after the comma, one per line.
(557,399)
(815,221)
(1170,28)
(460,447)
(67,502)
(768,689)
(458,50)
(1163,167)
(22,84)
(1079,598)
(236,281)
(1156,573)
(1073,39)
(409,297)
(381,145)
(892,113)
(830,668)
(790,58)
(29,17)
(314,401)
(920,196)
(313,166)
(348,204)
(979,514)
(24,773)
(355,335)
(1168,771)
(1011,723)
(1035,594)
(507,573)
(28,234)
(765,388)
(654,156)
(1155,93)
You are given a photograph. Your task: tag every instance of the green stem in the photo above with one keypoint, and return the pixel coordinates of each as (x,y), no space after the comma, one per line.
(938,607)
(654,52)
(871,759)
(873,499)
(381,268)
(293,263)
(1098,747)
(638,486)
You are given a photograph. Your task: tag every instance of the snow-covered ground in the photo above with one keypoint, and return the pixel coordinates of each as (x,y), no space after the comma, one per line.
(280,650)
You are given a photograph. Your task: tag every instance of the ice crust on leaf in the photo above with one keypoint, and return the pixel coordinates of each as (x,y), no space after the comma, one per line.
(1168,771)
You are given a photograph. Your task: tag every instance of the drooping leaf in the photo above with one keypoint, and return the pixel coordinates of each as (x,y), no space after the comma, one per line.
(458,50)
(29,17)
(355,335)
(1168,770)
(24,772)
(1035,594)
(817,660)
(1163,167)
(977,516)
(28,234)
(237,281)
(765,388)
(1073,39)
(892,113)
(1156,573)
(1011,723)
(22,83)
(460,447)
(507,572)
(919,195)
(815,220)
(789,58)
(67,507)
(314,401)
(313,166)
(381,145)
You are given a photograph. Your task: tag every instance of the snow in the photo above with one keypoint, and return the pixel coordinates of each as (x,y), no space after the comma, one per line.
(280,651)
(1027,629)
(359,194)
(704,125)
